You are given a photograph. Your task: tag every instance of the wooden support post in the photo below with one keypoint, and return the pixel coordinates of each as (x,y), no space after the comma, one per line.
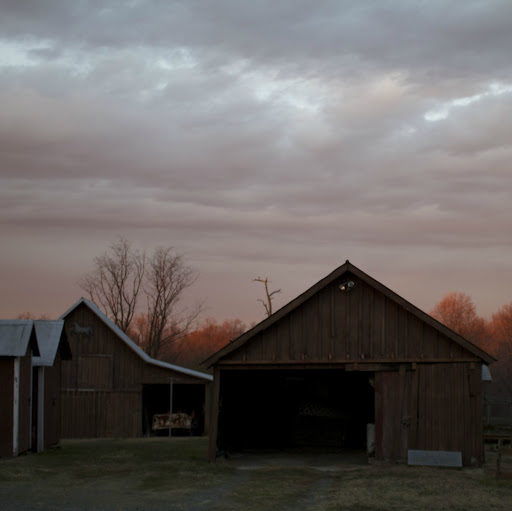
(378,415)
(171,389)
(207,406)
(498,458)
(214,416)
(16,407)
(40,410)
(413,411)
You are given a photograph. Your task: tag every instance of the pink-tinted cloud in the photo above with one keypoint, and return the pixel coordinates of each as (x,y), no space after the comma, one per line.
(258,139)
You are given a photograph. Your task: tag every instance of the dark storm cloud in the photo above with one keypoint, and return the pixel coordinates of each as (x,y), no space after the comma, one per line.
(427,36)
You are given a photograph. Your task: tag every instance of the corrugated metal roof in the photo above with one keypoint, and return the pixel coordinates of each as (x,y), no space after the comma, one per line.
(141,353)
(15,336)
(49,335)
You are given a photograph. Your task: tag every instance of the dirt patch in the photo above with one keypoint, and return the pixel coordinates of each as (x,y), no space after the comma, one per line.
(320,460)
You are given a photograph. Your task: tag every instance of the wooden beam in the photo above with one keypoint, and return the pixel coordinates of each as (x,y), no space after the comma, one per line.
(378,416)
(214,416)
(171,388)
(40,375)
(16,407)
(413,428)
(360,362)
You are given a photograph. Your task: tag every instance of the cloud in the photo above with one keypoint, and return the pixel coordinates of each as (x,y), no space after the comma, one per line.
(284,135)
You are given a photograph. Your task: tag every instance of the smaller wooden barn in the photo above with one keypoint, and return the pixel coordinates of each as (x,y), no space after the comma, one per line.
(346,358)
(112,388)
(53,348)
(18,343)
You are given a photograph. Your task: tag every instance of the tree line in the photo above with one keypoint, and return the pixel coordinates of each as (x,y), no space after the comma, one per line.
(457,311)
(143,295)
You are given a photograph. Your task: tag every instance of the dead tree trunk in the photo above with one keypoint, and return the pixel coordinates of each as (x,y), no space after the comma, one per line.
(269,295)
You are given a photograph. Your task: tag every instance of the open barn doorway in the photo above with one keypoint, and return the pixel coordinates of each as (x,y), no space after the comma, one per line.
(295,409)
(187,398)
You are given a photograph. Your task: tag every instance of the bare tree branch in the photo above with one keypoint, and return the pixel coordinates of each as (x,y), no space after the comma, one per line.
(268,304)
(167,321)
(122,273)
(115,282)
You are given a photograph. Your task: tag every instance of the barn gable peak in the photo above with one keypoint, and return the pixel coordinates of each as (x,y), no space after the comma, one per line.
(348,315)
(129,343)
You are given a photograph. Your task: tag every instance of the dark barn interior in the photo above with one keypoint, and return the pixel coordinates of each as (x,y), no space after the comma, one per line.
(295,408)
(188,398)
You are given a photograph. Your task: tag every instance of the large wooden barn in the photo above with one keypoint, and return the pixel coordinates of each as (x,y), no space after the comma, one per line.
(349,353)
(112,388)
(18,343)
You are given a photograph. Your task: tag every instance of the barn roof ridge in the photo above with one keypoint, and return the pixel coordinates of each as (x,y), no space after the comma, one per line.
(347,267)
(140,352)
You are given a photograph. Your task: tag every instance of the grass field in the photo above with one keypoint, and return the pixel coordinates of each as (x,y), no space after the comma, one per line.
(162,473)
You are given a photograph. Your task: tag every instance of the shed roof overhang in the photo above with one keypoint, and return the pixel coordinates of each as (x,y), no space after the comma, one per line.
(52,338)
(16,335)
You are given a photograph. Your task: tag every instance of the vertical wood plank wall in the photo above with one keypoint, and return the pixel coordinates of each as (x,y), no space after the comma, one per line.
(52,404)
(428,387)
(431,408)
(361,324)
(25,410)
(101,387)
(6,404)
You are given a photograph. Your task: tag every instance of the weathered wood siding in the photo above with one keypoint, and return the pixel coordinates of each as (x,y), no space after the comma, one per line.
(98,414)
(52,404)
(428,389)
(102,385)
(101,388)
(100,361)
(25,415)
(6,405)
(338,327)
(434,407)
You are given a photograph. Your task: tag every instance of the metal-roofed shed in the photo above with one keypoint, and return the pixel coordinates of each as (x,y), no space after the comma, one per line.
(18,342)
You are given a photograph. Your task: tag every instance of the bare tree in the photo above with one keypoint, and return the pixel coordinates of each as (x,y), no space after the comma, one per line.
(268,303)
(115,282)
(167,277)
(122,274)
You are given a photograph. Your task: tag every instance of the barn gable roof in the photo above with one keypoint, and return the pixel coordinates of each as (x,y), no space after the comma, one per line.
(52,338)
(347,268)
(15,337)
(124,338)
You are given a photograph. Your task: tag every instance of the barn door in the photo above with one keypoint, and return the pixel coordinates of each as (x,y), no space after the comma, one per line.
(392,414)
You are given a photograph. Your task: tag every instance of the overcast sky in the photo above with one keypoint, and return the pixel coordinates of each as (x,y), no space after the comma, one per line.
(258,138)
